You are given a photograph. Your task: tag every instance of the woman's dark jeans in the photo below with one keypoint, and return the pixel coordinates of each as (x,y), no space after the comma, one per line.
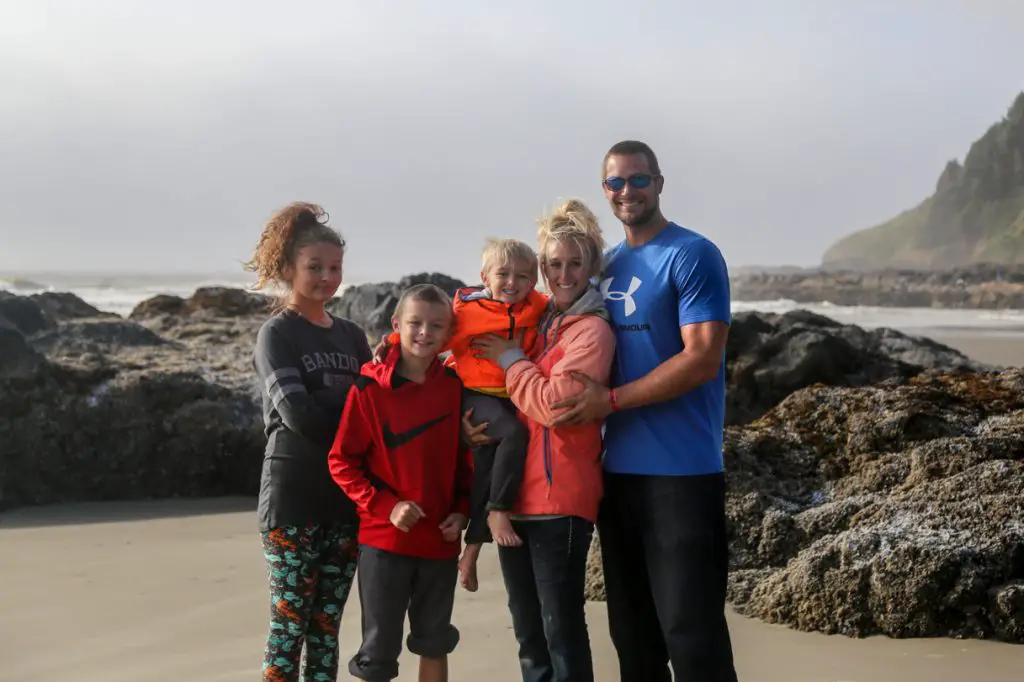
(545,579)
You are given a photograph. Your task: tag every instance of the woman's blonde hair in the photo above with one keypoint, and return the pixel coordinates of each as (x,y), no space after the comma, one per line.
(573,222)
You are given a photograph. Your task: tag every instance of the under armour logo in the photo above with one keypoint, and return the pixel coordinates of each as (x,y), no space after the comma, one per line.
(626,296)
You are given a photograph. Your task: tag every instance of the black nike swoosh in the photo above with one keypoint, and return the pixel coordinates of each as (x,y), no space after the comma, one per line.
(393,440)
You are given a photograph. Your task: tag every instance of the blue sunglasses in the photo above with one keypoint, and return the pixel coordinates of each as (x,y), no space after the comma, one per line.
(636,181)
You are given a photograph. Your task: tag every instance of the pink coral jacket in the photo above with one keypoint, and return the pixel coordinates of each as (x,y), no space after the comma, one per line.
(563,474)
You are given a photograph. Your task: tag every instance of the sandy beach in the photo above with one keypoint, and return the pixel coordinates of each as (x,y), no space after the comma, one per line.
(1003,347)
(175,590)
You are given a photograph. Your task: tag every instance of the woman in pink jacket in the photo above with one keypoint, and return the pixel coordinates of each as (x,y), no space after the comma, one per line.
(562,484)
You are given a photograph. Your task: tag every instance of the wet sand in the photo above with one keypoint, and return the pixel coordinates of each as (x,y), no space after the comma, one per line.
(176,591)
(1001,348)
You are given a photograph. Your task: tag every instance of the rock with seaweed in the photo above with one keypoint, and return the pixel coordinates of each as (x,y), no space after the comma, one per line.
(895,510)
(103,408)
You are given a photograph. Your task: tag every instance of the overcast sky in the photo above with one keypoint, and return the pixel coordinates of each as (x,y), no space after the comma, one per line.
(150,136)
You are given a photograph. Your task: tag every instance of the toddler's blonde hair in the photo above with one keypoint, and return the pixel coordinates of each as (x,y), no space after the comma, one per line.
(498,252)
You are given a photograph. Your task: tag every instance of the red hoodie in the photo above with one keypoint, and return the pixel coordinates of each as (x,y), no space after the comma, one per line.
(399,440)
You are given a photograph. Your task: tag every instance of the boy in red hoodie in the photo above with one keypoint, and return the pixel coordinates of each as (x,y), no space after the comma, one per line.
(398,456)
(505,303)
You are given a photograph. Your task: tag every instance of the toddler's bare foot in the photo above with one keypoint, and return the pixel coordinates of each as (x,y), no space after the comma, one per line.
(500,524)
(467,568)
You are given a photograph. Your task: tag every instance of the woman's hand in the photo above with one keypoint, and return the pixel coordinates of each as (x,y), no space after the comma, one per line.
(475,434)
(380,351)
(491,347)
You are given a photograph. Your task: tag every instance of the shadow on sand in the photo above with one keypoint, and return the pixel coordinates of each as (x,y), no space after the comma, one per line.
(120,511)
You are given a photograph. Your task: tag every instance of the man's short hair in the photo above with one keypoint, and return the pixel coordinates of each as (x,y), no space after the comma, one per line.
(629,148)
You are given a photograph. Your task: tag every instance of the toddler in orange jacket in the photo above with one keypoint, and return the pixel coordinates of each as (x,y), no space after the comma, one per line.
(509,305)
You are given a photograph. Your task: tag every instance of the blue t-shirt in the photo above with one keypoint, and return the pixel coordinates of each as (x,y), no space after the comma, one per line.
(650,291)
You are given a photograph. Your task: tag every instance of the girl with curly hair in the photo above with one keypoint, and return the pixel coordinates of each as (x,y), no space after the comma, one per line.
(306,360)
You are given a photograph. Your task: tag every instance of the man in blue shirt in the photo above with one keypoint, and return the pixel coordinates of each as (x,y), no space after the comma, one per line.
(662,522)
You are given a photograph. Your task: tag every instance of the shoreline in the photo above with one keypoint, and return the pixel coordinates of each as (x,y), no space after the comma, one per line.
(119,293)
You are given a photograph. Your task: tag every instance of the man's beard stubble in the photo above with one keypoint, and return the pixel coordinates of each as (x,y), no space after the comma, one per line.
(644,218)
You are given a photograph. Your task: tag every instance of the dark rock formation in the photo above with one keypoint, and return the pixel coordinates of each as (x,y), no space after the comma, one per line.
(371,305)
(982,286)
(63,306)
(111,433)
(894,510)
(102,409)
(161,304)
(228,302)
(17,358)
(24,314)
(206,301)
(94,336)
(769,356)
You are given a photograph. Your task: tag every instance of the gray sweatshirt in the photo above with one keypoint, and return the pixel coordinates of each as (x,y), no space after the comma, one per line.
(305,373)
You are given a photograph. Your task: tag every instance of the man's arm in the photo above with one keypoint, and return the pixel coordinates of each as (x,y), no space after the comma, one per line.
(702,283)
(698,363)
(589,349)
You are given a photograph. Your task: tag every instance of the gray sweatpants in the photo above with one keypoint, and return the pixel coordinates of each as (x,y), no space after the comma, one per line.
(390,586)
(498,467)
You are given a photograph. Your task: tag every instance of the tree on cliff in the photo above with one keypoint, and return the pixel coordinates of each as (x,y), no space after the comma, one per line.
(976,214)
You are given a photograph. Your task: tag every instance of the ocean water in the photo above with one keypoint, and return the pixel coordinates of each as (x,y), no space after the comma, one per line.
(909,320)
(119,294)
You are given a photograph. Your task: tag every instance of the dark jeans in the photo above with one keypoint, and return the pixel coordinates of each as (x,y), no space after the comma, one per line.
(498,467)
(544,579)
(391,587)
(665,555)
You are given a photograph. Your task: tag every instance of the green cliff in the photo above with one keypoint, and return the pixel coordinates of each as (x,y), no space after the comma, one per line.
(976,214)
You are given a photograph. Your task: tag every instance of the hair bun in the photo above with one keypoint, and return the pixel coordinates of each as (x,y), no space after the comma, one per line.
(573,221)
(571,206)
(309,215)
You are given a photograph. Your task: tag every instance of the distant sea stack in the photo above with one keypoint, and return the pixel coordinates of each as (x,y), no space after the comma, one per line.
(976,214)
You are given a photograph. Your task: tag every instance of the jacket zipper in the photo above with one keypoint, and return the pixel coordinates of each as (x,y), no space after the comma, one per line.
(550,336)
(549,461)
(511,324)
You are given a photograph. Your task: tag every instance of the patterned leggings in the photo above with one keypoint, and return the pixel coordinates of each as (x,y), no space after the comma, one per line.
(310,571)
